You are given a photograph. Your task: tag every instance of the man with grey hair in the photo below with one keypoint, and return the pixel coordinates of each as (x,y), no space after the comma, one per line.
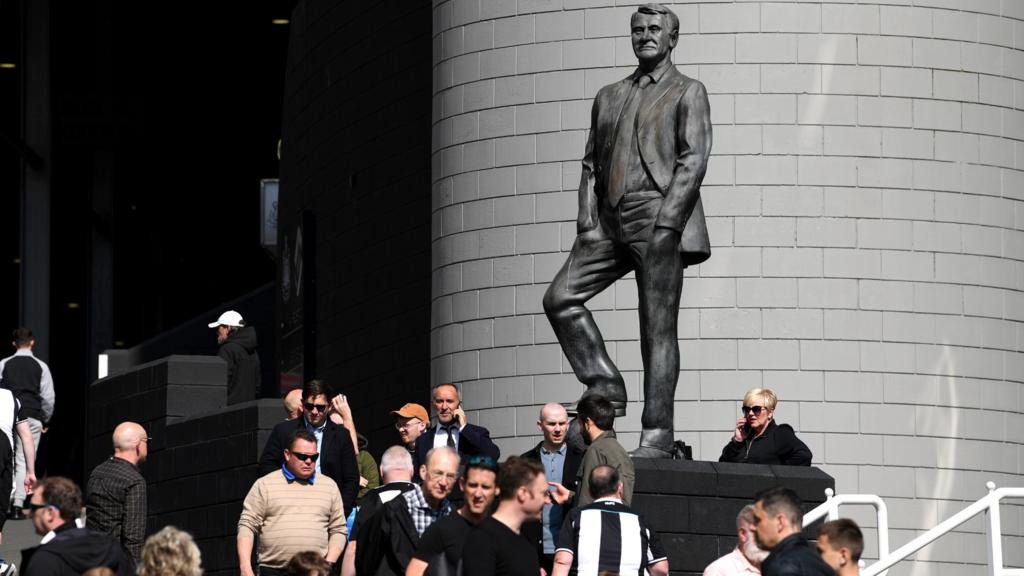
(390,536)
(396,470)
(746,557)
(639,210)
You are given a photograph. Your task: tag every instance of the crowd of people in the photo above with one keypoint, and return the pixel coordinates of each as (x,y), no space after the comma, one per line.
(439,503)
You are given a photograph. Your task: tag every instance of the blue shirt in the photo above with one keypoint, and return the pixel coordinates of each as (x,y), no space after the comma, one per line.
(319,433)
(553,463)
(291,477)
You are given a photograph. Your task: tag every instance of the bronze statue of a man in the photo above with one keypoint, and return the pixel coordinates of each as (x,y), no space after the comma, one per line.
(640,210)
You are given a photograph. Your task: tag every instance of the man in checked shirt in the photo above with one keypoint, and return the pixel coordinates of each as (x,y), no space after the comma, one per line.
(115,497)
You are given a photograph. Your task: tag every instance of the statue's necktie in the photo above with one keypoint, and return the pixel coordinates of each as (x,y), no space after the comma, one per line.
(624,142)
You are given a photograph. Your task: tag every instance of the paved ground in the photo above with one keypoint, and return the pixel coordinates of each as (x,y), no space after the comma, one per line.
(17,535)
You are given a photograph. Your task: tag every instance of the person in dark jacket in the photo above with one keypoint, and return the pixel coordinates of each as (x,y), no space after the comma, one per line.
(238,348)
(390,536)
(561,461)
(778,519)
(759,440)
(334,444)
(454,431)
(67,549)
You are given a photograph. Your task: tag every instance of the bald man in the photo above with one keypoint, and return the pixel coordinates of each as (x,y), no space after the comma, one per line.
(115,497)
(561,461)
(293,404)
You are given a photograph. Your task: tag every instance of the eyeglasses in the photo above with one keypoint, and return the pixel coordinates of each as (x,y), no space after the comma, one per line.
(304,457)
(407,425)
(318,407)
(755,409)
(32,507)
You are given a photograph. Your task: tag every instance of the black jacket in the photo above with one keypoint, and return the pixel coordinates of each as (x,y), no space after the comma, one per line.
(239,351)
(338,458)
(794,556)
(532,529)
(73,551)
(387,540)
(473,441)
(778,445)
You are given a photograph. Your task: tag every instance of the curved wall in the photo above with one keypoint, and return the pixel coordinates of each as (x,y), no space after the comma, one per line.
(866,207)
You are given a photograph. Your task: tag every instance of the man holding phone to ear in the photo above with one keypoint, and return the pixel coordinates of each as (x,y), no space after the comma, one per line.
(452,430)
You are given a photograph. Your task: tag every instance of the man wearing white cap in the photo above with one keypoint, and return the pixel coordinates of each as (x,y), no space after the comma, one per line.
(238,348)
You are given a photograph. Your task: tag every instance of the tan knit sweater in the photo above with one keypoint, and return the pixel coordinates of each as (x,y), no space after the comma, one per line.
(292,517)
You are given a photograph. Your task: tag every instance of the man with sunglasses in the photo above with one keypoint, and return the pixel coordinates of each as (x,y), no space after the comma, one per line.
(333,442)
(440,548)
(66,548)
(115,494)
(291,509)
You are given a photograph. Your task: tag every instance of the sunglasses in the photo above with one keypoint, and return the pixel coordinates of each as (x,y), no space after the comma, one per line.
(755,409)
(304,457)
(32,507)
(485,462)
(318,407)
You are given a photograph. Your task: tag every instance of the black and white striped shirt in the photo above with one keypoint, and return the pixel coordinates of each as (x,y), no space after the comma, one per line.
(608,536)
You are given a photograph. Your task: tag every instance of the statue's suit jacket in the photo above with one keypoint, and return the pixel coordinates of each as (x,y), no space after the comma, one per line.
(674,131)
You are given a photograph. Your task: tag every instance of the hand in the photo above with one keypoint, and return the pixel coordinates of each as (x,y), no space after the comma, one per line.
(45,429)
(246,570)
(363,482)
(340,405)
(741,430)
(560,494)
(30,482)
(460,417)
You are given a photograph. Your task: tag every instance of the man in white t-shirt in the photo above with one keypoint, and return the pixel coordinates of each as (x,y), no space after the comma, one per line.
(9,407)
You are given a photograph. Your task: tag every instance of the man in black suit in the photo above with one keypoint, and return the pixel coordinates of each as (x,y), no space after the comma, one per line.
(561,461)
(452,430)
(639,211)
(334,444)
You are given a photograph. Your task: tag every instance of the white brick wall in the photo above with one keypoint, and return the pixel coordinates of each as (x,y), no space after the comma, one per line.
(866,203)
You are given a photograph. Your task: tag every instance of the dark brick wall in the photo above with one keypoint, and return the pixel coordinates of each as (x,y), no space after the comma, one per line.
(203,455)
(356,152)
(693,505)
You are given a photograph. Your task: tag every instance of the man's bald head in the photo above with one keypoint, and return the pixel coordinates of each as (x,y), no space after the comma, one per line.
(131,442)
(554,424)
(293,403)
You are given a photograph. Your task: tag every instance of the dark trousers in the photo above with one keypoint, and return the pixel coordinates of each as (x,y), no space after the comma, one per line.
(268,571)
(599,257)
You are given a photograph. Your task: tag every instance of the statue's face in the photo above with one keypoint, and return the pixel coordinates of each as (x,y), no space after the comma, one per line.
(652,39)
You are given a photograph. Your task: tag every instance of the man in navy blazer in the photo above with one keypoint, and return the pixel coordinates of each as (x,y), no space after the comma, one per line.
(454,431)
(337,458)
(639,210)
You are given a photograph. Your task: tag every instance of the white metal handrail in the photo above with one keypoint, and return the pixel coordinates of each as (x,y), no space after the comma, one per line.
(988,503)
(830,508)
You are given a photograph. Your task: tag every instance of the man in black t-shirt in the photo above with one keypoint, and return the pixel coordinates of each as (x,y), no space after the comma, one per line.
(440,548)
(495,547)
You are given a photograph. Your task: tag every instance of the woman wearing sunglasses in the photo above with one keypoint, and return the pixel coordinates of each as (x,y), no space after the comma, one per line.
(759,440)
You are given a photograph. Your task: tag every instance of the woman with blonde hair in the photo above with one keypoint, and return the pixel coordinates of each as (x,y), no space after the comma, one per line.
(757,439)
(170,552)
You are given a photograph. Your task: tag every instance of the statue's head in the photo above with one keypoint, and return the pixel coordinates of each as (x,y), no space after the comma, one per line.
(654,31)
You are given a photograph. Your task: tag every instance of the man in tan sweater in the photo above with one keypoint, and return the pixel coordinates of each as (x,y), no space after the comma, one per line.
(292,510)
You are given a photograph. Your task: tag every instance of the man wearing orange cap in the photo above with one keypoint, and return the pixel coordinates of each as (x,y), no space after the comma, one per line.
(410,421)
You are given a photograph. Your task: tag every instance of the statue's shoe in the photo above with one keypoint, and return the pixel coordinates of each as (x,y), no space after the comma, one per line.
(651,452)
(615,394)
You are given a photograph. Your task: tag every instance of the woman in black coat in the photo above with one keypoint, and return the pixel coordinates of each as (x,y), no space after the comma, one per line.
(759,440)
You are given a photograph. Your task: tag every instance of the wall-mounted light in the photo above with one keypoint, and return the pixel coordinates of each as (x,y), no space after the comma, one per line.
(8,65)
(279,21)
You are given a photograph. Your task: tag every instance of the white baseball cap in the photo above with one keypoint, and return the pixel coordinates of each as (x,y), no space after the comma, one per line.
(229,318)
